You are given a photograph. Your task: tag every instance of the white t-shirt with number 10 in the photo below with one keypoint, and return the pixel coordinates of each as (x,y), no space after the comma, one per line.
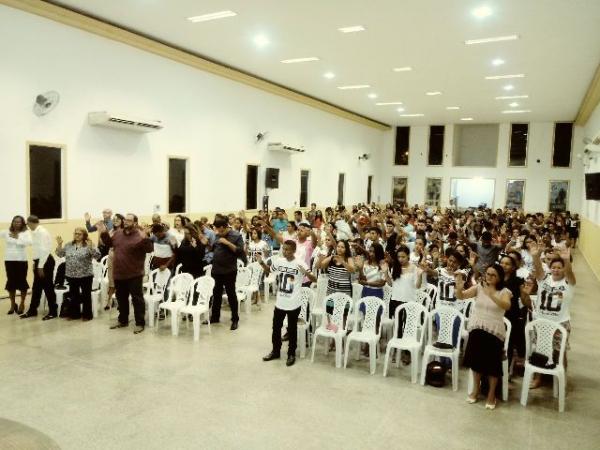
(289,281)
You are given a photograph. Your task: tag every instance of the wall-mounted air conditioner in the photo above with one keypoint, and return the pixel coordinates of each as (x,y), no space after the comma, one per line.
(279,147)
(123,122)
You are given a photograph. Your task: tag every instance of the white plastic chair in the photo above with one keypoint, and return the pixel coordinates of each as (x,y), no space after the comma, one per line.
(179,290)
(340,303)
(466,308)
(104,278)
(544,331)
(317,308)
(155,294)
(60,293)
(306,297)
(242,281)
(505,372)
(254,284)
(370,331)
(447,315)
(96,287)
(417,317)
(432,291)
(240,264)
(208,270)
(424,299)
(357,289)
(178,268)
(198,303)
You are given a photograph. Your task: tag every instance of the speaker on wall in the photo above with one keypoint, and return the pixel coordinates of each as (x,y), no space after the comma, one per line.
(272,178)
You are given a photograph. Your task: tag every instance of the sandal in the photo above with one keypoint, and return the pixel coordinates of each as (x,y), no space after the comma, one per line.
(48,317)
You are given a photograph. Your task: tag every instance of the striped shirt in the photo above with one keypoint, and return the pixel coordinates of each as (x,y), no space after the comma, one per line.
(339,279)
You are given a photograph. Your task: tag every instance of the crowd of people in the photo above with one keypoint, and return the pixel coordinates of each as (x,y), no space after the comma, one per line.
(508,261)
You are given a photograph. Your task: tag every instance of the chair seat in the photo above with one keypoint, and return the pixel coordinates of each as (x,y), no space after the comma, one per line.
(153,298)
(440,351)
(194,309)
(171,306)
(403,343)
(538,369)
(322,331)
(363,336)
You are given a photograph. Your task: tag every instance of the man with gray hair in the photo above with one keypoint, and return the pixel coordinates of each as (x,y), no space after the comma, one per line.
(106,221)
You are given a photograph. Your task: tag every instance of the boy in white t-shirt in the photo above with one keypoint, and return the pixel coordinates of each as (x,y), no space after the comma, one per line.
(290,273)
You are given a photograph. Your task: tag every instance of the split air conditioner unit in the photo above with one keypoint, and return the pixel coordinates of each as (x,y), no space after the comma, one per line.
(123,122)
(279,147)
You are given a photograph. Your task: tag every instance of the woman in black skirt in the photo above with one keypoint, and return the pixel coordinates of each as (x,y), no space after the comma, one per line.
(17,239)
(483,354)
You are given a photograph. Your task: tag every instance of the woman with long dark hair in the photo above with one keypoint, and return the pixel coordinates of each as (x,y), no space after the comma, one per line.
(17,238)
(487,332)
(373,272)
(191,252)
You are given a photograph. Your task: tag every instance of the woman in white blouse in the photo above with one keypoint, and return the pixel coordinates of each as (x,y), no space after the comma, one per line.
(17,238)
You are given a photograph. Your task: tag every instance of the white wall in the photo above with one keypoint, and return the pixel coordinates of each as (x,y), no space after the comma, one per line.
(591,208)
(211,120)
(537,175)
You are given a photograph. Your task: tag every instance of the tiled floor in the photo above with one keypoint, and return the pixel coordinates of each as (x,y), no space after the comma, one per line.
(86,387)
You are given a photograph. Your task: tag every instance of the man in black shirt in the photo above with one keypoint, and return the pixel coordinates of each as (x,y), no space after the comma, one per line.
(228,247)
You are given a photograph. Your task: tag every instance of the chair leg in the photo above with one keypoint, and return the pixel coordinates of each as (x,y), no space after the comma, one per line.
(455,372)
(150,314)
(525,388)
(561,392)
(196,318)
(338,352)
(414,365)
(505,375)
(207,317)
(358,352)
(424,367)
(373,357)
(347,350)
(555,386)
(302,342)
(386,360)
(174,323)
(314,345)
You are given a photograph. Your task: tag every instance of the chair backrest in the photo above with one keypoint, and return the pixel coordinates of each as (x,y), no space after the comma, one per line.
(148,263)
(374,307)
(341,302)
(415,321)
(179,286)
(445,317)
(240,264)
(104,260)
(257,272)
(508,327)
(57,264)
(201,290)
(432,291)
(544,331)
(178,269)
(424,299)
(306,297)
(208,270)
(97,280)
(321,288)
(357,289)
(243,277)
(466,308)
(159,280)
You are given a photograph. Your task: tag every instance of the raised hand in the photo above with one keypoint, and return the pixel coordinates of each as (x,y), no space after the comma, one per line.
(534,249)
(565,254)
(87,217)
(59,241)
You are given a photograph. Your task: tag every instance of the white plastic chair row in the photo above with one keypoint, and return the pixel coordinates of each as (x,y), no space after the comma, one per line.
(337,328)
(367,330)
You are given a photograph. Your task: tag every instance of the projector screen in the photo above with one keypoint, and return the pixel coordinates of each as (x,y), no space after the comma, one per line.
(472,192)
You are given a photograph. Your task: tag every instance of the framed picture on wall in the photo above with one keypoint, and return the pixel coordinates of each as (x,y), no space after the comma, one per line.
(515,194)
(399,185)
(559,195)
(433,191)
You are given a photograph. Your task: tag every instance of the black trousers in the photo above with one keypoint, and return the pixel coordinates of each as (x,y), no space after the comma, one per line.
(80,293)
(292,329)
(226,281)
(45,284)
(133,287)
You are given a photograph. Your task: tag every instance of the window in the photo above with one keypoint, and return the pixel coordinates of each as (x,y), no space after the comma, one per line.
(341,180)
(433,191)
(563,138)
(251,186)
(402,146)
(399,185)
(45,181)
(177,185)
(436,145)
(369,188)
(476,145)
(304,188)
(517,156)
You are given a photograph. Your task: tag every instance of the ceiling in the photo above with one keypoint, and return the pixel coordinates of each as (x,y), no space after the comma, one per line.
(558,50)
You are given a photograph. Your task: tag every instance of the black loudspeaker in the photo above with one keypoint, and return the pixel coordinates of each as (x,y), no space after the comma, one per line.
(272,178)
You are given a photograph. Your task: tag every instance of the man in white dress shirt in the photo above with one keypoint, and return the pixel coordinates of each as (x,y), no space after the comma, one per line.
(43,270)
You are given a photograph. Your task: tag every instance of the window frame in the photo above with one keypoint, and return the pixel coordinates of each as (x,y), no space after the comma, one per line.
(429,147)
(187,184)
(307,189)
(526,145)
(395,149)
(552,166)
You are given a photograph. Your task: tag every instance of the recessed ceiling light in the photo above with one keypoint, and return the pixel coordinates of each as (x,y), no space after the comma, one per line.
(511,37)
(412,115)
(261,41)
(482,12)
(452,107)
(299,60)
(513,105)
(329,75)
(388,103)
(212,16)
(516,111)
(372,95)
(466,118)
(508,87)
(400,109)
(355,86)
(433,93)
(352,29)
(402,69)
(510,97)
(504,77)
(497,62)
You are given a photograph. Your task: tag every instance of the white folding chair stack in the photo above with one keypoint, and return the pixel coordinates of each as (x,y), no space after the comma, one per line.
(446,316)
(104,278)
(334,328)
(368,330)
(179,290)
(466,308)
(198,303)
(413,335)
(159,280)
(544,332)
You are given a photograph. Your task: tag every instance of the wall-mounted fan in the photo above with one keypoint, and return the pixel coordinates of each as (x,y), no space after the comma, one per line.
(46,102)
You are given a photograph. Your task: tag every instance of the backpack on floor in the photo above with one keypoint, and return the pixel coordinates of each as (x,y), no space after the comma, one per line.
(436,374)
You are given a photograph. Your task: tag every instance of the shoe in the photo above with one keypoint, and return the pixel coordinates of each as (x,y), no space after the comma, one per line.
(234,325)
(271,356)
(106,308)
(490,405)
(11,311)
(21,310)
(138,329)
(471,400)
(214,320)
(27,315)
(290,361)
(119,325)
(48,317)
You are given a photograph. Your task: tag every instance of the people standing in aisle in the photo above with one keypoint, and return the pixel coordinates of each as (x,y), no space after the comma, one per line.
(228,247)
(43,270)
(79,256)
(130,247)
(165,245)
(177,231)
(17,239)
(106,221)
(291,272)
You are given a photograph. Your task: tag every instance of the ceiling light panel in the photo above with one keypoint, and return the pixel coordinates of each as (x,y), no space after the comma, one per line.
(329,75)
(497,62)
(212,16)
(352,29)
(402,69)
(452,107)
(466,119)
(433,93)
(516,111)
(354,86)
(300,60)
(412,115)
(511,97)
(511,37)
(388,103)
(482,12)
(505,77)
